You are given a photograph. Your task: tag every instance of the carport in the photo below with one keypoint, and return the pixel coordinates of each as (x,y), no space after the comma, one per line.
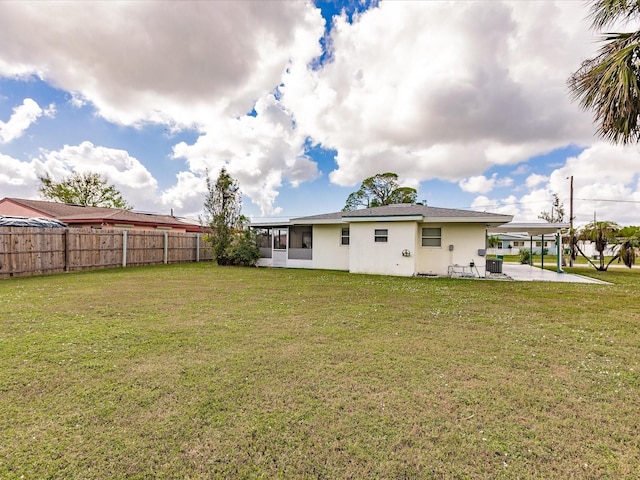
(534,229)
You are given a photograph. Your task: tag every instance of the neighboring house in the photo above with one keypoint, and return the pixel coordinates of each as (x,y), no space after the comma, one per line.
(512,243)
(399,239)
(78,216)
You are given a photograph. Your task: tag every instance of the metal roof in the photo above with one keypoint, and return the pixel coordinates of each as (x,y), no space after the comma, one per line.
(14,221)
(535,228)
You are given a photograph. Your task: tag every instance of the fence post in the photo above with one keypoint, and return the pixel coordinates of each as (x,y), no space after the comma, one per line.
(166,247)
(124,248)
(197,247)
(66,249)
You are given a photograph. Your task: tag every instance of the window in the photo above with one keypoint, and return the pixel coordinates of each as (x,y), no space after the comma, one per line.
(518,243)
(539,244)
(263,238)
(344,236)
(381,235)
(432,237)
(300,236)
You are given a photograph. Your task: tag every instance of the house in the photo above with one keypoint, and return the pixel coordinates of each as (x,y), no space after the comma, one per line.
(79,216)
(512,243)
(401,239)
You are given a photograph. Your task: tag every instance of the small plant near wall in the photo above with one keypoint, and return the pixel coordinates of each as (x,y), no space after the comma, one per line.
(525,256)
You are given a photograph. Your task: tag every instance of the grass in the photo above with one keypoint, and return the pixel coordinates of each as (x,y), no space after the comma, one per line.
(196,371)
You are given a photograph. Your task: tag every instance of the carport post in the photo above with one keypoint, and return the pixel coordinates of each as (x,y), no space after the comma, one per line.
(531,251)
(542,252)
(558,252)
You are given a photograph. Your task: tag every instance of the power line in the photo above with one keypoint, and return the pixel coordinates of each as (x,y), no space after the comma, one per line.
(607,200)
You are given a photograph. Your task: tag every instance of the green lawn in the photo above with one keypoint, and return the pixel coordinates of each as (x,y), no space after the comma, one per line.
(196,371)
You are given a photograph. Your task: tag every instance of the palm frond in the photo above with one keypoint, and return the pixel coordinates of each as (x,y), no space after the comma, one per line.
(609,85)
(606,13)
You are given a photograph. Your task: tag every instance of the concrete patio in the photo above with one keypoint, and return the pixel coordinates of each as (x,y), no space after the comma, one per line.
(526,273)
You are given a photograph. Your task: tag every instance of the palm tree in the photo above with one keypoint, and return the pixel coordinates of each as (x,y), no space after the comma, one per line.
(609,83)
(600,234)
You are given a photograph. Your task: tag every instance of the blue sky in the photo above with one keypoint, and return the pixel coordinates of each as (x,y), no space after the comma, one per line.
(302,101)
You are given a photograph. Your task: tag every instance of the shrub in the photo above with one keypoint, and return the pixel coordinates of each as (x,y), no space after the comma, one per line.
(525,256)
(243,250)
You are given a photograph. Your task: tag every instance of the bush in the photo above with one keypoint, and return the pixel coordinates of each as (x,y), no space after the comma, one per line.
(525,256)
(243,250)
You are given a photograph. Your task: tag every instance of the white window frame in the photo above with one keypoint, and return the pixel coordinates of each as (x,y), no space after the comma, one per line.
(431,236)
(381,235)
(344,236)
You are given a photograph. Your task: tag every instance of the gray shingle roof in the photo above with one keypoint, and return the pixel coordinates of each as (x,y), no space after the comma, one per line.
(409,210)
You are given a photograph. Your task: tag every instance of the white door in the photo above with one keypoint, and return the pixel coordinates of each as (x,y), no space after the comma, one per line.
(280,237)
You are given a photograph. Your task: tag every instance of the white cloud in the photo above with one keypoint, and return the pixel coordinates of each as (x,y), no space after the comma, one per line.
(187,195)
(155,61)
(534,180)
(482,184)
(260,152)
(606,185)
(424,89)
(505,206)
(18,179)
(23,116)
(431,90)
(125,172)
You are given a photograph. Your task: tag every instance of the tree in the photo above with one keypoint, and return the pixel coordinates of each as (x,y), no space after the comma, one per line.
(222,207)
(557,214)
(609,83)
(87,189)
(381,189)
(493,241)
(600,234)
(628,245)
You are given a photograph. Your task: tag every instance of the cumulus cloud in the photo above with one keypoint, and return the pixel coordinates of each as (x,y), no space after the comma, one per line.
(198,64)
(260,151)
(606,186)
(534,180)
(17,178)
(129,176)
(448,92)
(482,184)
(424,89)
(23,116)
(158,61)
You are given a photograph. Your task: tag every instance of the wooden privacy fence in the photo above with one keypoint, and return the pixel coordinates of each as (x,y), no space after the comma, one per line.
(34,251)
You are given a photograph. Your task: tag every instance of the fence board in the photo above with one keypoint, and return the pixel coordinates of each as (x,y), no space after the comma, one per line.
(34,251)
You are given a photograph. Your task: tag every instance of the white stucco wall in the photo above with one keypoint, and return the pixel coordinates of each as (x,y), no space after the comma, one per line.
(367,256)
(466,238)
(327,252)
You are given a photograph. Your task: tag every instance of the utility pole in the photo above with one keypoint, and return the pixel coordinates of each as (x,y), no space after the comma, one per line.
(571,234)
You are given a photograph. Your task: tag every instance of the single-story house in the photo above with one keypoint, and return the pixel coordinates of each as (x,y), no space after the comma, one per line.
(78,216)
(401,239)
(512,243)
